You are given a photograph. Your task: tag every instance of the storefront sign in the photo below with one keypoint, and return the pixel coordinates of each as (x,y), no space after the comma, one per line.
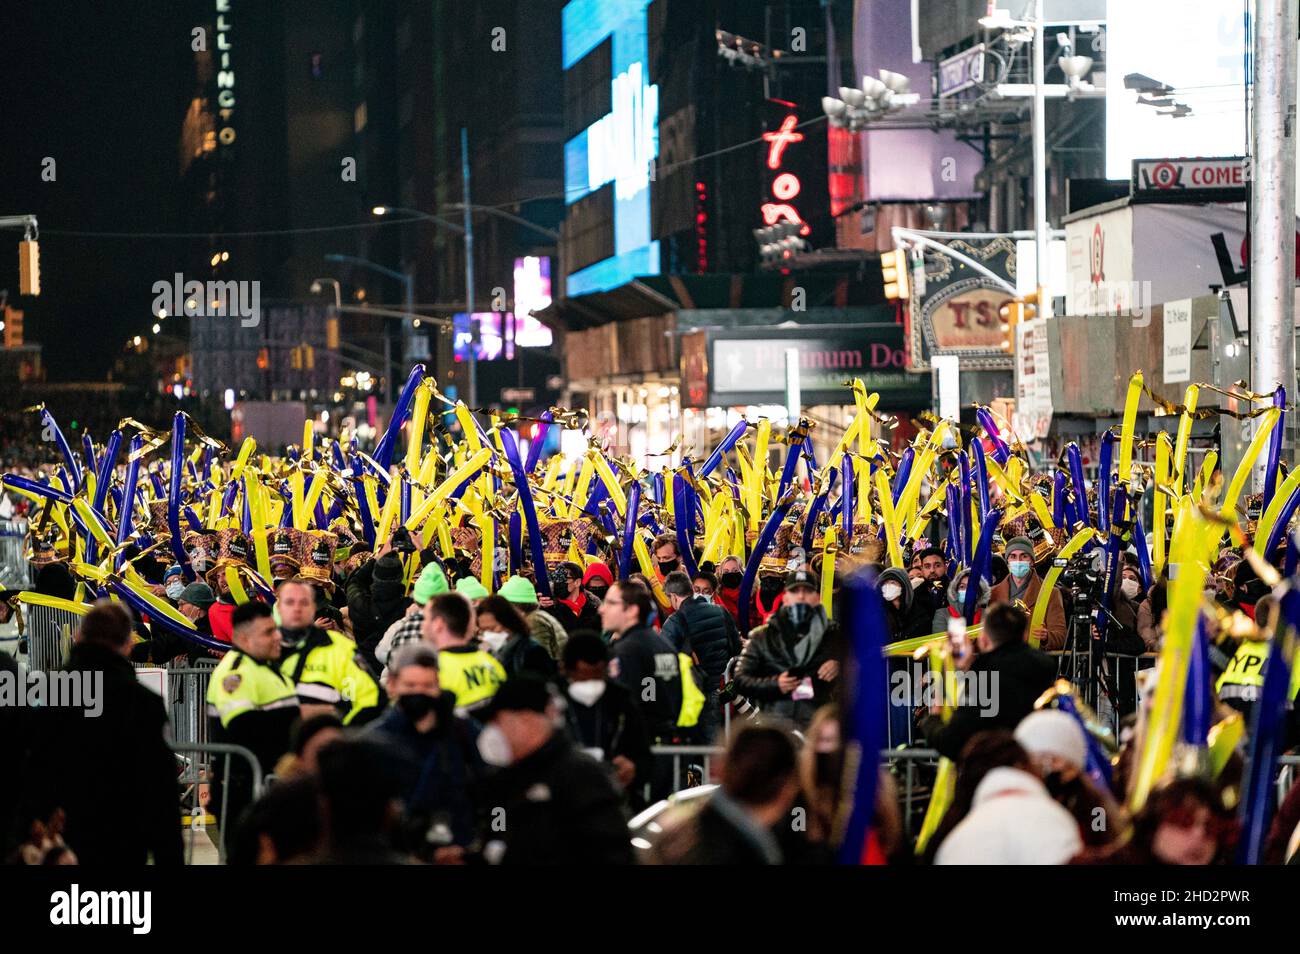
(1178,341)
(960,311)
(962,71)
(1166,179)
(747,369)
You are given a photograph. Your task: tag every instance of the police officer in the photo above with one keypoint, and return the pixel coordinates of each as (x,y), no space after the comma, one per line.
(470,673)
(250,702)
(328,670)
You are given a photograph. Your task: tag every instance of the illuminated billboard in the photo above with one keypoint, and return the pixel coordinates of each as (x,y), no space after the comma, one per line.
(532,293)
(493,344)
(616,149)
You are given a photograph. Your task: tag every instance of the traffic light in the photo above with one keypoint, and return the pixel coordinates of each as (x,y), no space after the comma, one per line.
(779,242)
(13,327)
(893,269)
(29,267)
(1013,313)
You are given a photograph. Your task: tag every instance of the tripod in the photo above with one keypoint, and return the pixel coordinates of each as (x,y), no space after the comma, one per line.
(1085,651)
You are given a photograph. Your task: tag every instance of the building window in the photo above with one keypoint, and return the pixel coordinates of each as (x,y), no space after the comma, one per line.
(359,118)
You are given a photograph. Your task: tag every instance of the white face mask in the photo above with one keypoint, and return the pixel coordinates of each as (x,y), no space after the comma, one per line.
(494,640)
(1130,588)
(174,590)
(494,746)
(891,591)
(917,581)
(587,692)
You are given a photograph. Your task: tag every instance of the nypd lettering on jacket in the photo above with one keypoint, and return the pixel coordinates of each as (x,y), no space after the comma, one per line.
(666,666)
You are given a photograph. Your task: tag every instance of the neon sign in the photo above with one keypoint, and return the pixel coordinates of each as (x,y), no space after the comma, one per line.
(785,186)
(225,76)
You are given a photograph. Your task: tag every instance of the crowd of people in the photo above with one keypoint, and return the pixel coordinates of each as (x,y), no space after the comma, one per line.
(425,675)
(449,725)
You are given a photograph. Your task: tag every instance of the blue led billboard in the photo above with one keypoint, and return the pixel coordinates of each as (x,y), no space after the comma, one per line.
(617,148)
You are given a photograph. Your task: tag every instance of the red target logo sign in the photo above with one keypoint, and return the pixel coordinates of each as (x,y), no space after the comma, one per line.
(1166,176)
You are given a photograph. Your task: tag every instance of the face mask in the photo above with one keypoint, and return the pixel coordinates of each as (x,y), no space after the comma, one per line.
(799,615)
(769,587)
(731,580)
(1019,568)
(416,706)
(1130,588)
(1054,782)
(667,567)
(598,591)
(961,597)
(891,591)
(587,692)
(1210,593)
(174,590)
(917,581)
(494,640)
(494,746)
(704,597)
(828,767)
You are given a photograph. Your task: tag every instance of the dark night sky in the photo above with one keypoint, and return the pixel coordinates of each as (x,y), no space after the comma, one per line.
(101,88)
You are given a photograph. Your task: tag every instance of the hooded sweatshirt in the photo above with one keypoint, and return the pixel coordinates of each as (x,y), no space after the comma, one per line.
(954,608)
(911,617)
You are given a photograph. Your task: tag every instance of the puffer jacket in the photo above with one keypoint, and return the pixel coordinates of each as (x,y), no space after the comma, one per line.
(707,630)
(941,617)
(911,617)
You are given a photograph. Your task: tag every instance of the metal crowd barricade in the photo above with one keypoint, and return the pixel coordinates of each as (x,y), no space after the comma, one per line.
(15,571)
(48,633)
(685,760)
(203,758)
(187,690)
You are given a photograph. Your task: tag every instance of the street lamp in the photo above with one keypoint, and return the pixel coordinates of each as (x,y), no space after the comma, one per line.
(1019,32)
(855,108)
(402,277)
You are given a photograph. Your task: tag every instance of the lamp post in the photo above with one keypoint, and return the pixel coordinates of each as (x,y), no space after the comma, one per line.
(407,281)
(1002,20)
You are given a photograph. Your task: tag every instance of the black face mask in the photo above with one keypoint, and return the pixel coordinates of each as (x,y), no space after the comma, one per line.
(800,616)
(667,566)
(598,591)
(828,767)
(416,707)
(1055,784)
(732,580)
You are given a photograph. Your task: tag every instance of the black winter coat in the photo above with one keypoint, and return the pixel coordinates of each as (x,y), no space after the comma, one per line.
(561,809)
(707,630)
(373,606)
(587,618)
(641,654)
(613,725)
(776,648)
(1022,675)
(114,774)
